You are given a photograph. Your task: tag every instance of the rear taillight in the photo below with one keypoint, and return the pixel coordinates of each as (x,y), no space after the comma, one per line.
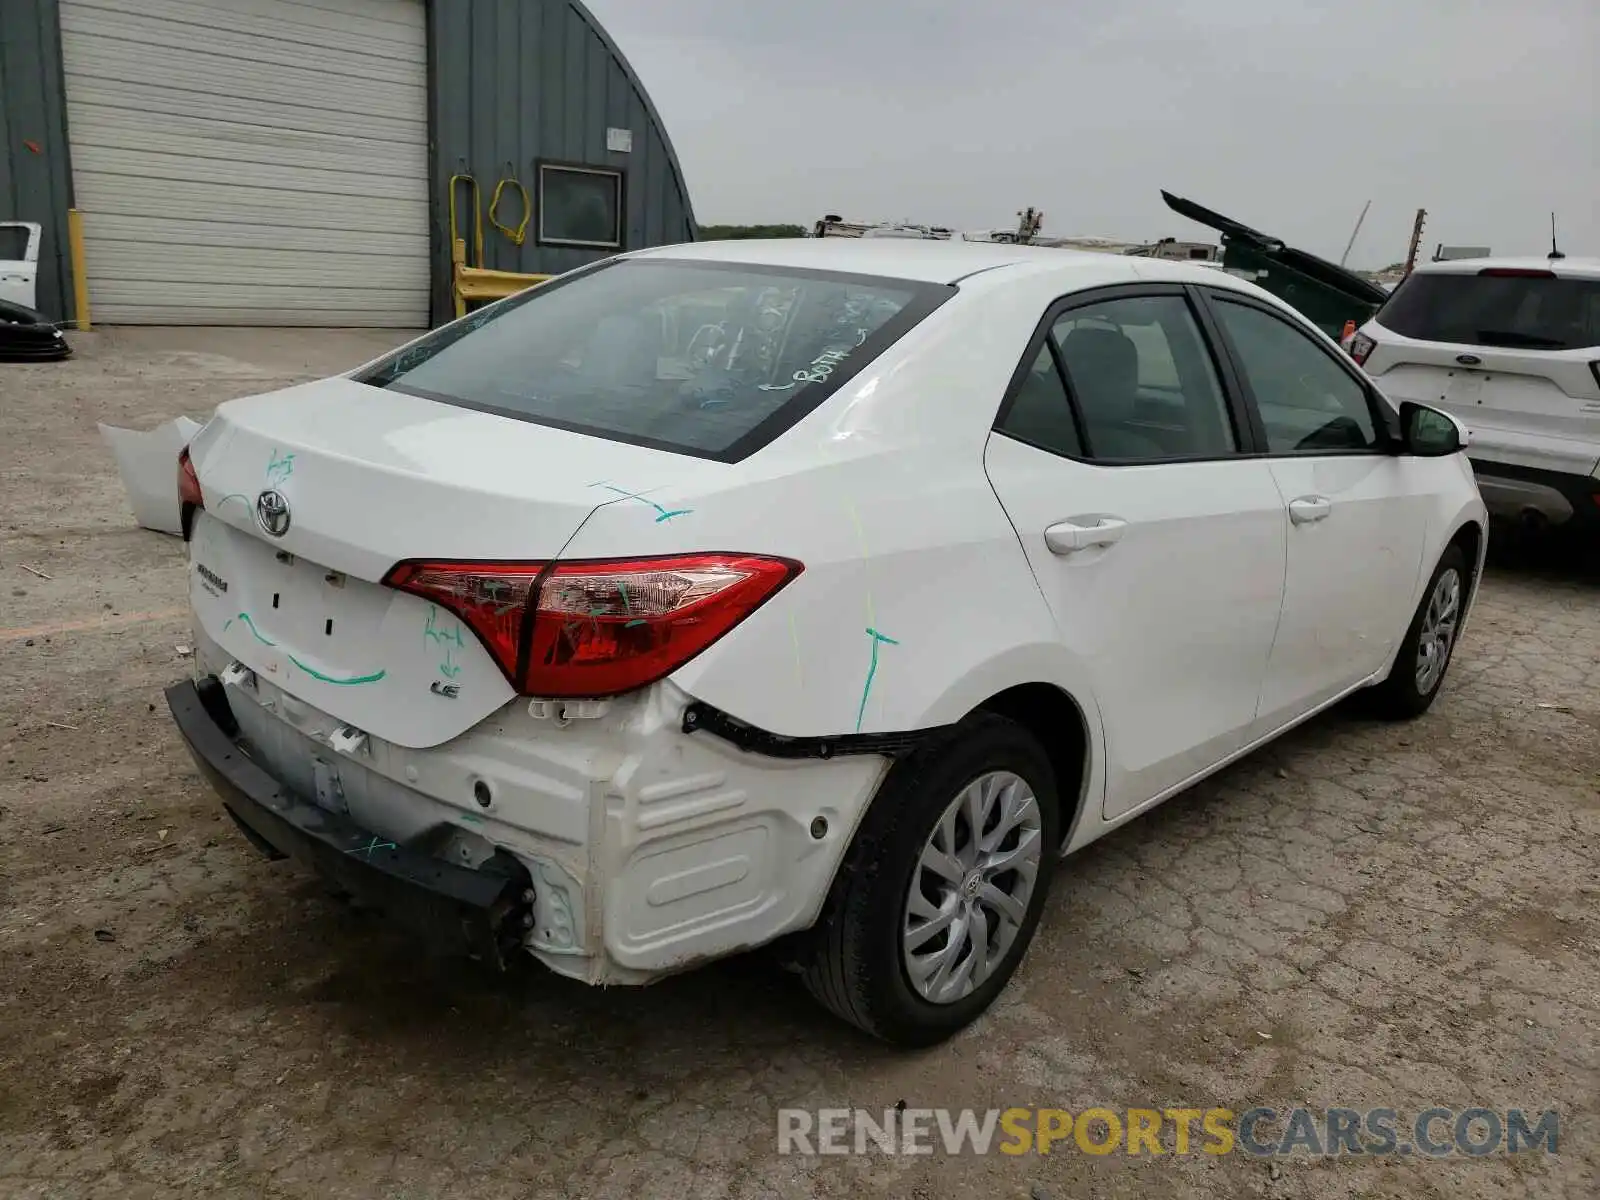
(1361,347)
(597,628)
(189,497)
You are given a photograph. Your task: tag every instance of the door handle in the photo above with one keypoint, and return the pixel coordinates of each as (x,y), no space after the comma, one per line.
(1066,536)
(1305,509)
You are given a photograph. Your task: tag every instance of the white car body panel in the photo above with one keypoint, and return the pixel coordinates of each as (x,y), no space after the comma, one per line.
(420,490)
(1340,625)
(926,591)
(1172,702)
(19,277)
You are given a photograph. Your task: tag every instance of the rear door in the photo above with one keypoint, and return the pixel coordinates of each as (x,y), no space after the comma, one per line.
(1509,350)
(1158,545)
(19,262)
(1357,514)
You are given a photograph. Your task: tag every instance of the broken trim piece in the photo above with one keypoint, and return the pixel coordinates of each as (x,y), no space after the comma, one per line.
(699,716)
(481,911)
(148,464)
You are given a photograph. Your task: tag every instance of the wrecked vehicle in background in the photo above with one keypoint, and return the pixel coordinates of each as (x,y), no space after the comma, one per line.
(27,335)
(1326,293)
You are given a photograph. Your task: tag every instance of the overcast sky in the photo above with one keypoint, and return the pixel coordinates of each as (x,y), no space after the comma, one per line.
(1285,114)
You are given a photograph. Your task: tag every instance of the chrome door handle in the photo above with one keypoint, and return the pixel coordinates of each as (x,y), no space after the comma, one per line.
(1305,509)
(1066,536)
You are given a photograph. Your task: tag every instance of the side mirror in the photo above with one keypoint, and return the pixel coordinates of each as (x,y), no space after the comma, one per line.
(1427,432)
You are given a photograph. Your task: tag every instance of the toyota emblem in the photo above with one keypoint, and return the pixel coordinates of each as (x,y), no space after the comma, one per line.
(272,511)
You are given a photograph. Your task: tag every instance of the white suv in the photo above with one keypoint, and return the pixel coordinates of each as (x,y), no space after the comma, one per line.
(1512,348)
(829,588)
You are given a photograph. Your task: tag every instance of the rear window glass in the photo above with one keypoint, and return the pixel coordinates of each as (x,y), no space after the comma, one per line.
(709,359)
(1496,310)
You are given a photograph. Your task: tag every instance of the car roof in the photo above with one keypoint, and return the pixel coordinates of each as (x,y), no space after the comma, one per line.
(920,260)
(1563,268)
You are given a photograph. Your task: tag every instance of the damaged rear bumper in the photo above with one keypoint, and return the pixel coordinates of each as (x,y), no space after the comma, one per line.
(650,847)
(454,909)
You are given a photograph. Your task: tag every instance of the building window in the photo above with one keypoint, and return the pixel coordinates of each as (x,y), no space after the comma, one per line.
(580,206)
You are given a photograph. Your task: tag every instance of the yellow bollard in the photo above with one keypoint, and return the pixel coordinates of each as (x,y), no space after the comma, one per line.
(80,274)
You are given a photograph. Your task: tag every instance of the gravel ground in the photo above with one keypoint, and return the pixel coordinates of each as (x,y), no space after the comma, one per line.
(1360,915)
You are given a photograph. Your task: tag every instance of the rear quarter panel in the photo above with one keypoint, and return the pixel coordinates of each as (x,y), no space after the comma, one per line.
(916,602)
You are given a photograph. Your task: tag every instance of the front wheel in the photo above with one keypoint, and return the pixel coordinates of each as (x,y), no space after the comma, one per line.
(940,893)
(1424,655)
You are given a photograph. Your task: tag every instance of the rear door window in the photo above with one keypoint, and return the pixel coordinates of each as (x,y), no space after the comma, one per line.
(709,359)
(1143,380)
(1534,312)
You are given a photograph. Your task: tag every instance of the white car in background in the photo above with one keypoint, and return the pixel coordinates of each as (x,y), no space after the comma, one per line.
(1512,348)
(823,590)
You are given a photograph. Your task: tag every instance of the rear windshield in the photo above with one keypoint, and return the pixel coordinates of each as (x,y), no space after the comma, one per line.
(709,359)
(1496,310)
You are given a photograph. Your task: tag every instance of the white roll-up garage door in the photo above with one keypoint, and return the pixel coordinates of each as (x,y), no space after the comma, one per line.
(250,162)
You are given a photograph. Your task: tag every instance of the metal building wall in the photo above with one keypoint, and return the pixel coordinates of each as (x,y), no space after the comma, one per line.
(514,81)
(35,171)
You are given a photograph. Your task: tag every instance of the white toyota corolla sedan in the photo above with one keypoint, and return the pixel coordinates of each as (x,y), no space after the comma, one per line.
(828,591)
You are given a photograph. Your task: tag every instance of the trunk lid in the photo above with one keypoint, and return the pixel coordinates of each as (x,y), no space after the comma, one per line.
(358,479)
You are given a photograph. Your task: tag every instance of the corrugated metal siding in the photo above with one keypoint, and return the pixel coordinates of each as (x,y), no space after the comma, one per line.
(251,161)
(36,185)
(512,81)
(516,81)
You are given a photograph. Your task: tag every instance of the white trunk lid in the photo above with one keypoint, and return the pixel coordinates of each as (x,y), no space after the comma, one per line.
(369,478)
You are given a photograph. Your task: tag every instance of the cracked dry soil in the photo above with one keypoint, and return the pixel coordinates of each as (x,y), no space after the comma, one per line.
(1410,913)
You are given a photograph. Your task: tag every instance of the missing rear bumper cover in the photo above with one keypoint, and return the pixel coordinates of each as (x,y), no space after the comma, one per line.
(480,911)
(699,717)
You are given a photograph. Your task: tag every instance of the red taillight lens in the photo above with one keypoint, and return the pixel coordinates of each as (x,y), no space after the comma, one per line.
(189,497)
(188,481)
(1361,347)
(492,598)
(598,628)
(1517,273)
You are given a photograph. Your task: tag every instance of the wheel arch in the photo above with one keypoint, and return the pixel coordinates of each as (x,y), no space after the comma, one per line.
(1471,536)
(1056,720)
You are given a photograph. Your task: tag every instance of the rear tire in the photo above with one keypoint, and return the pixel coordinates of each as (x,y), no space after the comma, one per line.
(1424,655)
(875,932)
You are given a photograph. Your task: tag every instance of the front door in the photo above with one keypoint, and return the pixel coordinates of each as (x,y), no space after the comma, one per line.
(19,262)
(1357,514)
(1159,548)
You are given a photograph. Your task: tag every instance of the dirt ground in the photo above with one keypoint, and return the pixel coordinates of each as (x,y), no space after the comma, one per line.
(1361,915)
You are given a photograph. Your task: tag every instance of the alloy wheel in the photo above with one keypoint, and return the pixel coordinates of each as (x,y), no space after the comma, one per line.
(971,887)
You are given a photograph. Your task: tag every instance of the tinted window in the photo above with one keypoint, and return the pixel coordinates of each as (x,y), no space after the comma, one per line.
(580,207)
(1040,413)
(1306,400)
(13,242)
(1143,381)
(1496,310)
(683,356)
